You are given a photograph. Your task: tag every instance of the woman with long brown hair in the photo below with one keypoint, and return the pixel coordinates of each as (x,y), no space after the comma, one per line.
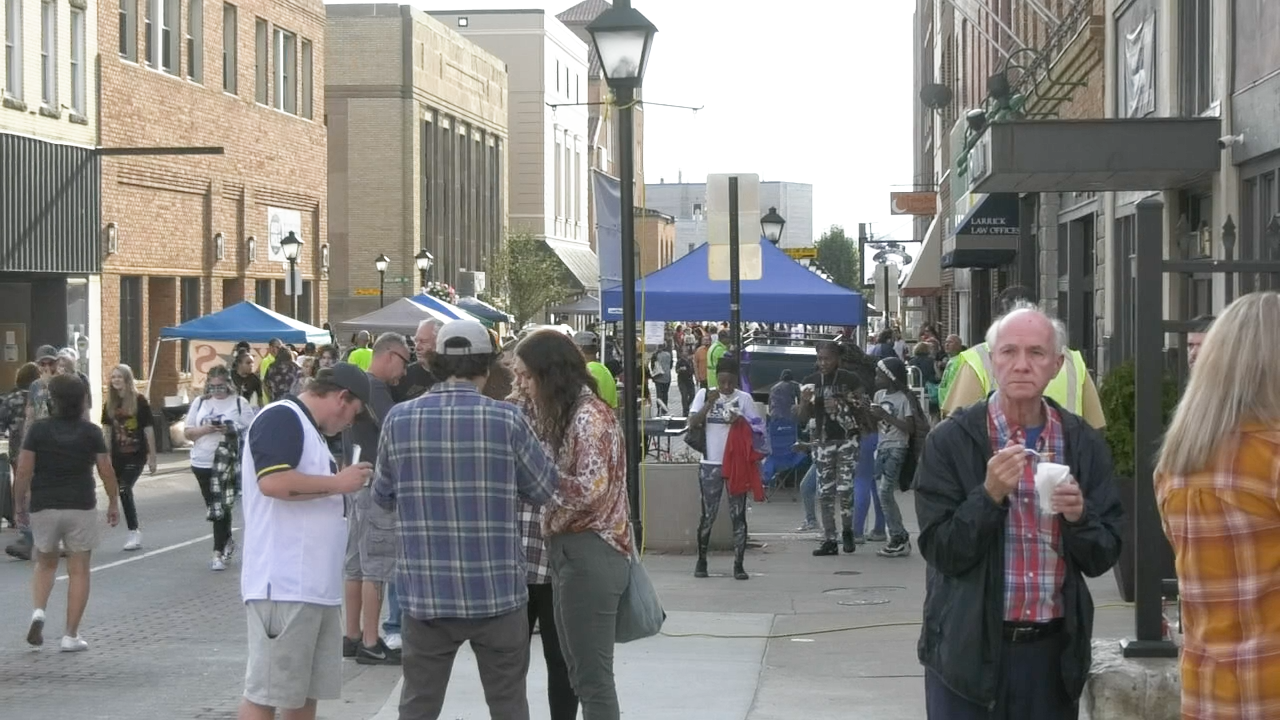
(130,427)
(586,525)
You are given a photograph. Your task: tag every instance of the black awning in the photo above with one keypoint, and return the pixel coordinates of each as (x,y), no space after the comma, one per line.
(987,236)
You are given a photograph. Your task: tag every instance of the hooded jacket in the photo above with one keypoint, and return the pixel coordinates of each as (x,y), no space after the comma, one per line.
(962,535)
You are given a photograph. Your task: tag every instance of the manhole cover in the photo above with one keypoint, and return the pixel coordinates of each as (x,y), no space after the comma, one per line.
(867,601)
(847,572)
(863,591)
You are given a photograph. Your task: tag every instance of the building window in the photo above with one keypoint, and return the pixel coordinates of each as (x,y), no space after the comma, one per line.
(131,324)
(261,63)
(49,54)
(195,40)
(77,61)
(129,30)
(286,47)
(557,76)
(305,76)
(189,308)
(262,294)
(304,303)
(229,40)
(577,175)
(162,19)
(1196,56)
(559,178)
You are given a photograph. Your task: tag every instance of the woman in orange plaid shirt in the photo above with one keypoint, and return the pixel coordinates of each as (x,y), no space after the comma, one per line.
(1218,488)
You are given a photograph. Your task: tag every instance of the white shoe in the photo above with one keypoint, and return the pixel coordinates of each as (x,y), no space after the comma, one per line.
(217,563)
(135,540)
(393,641)
(73,644)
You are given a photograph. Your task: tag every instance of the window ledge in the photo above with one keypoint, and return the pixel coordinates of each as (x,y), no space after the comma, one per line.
(79,4)
(78,119)
(49,112)
(14,103)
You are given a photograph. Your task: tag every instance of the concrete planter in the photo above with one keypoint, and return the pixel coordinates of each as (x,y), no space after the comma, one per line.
(673,506)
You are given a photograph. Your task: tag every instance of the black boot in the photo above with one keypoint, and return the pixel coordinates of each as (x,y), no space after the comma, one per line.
(828,547)
(700,569)
(739,573)
(849,544)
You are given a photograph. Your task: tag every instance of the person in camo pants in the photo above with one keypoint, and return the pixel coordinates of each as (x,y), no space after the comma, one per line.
(837,400)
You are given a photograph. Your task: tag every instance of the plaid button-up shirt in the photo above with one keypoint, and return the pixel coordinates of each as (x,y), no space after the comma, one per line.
(1224,525)
(456,465)
(535,548)
(1034,568)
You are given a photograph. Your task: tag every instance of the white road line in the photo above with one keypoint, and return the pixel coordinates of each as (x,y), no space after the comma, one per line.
(150,553)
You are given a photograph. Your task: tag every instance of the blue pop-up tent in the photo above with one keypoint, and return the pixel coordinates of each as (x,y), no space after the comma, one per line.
(449,310)
(787,292)
(249,322)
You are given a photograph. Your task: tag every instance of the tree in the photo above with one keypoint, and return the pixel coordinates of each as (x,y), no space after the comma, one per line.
(527,275)
(838,255)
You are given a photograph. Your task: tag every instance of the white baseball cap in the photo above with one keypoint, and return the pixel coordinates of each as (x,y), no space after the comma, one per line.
(464,337)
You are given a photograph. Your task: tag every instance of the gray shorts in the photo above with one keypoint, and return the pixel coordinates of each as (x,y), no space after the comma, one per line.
(78,530)
(295,653)
(371,540)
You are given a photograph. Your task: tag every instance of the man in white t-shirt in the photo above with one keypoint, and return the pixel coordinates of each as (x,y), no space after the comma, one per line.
(295,541)
(717,408)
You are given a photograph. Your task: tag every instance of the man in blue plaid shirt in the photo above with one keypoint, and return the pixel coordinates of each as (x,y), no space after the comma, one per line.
(455,466)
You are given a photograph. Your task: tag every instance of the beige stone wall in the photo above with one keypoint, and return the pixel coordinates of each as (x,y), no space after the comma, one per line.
(23,111)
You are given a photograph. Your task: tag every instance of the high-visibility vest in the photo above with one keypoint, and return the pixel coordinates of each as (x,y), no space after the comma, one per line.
(1066,389)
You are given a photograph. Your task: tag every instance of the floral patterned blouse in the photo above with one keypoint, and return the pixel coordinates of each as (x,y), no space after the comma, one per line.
(592,463)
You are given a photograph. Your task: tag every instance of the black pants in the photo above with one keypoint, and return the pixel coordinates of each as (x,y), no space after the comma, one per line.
(560,695)
(221,526)
(128,470)
(687,390)
(663,390)
(1031,687)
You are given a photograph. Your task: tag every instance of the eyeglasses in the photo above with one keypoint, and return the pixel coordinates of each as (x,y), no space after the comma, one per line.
(403,358)
(217,387)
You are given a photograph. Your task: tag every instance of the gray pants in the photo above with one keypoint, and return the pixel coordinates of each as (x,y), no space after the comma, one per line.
(835,462)
(501,646)
(588,576)
(712,483)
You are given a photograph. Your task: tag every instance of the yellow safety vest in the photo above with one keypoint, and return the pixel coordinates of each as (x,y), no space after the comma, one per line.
(1067,389)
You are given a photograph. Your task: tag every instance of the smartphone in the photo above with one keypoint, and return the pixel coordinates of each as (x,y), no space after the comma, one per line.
(355,455)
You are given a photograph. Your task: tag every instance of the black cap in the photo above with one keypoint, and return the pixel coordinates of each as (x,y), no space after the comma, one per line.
(46,352)
(350,378)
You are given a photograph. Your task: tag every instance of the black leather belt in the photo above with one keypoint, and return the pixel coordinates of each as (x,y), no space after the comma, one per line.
(1031,632)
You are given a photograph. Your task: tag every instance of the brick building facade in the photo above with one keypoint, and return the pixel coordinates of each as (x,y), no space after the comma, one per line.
(187,235)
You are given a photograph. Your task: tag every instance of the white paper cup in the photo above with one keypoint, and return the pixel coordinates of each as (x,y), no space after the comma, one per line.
(1048,477)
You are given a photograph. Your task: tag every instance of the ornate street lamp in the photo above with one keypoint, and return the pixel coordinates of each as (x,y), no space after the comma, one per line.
(622,39)
(771,225)
(291,246)
(423,261)
(381,262)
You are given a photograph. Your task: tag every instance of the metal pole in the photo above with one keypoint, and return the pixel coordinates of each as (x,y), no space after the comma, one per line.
(630,397)
(735,272)
(293,291)
(1150,548)
(382,288)
(862,276)
(423,278)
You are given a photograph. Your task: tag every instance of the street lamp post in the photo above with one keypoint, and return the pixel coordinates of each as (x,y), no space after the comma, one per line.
(771,225)
(423,260)
(622,39)
(291,246)
(381,262)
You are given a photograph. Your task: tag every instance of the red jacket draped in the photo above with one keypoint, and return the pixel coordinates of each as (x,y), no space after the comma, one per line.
(741,468)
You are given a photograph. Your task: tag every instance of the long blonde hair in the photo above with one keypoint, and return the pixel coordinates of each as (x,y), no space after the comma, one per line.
(1235,381)
(128,400)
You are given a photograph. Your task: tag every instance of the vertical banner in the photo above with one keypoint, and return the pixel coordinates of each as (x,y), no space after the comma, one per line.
(206,354)
(279,224)
(608,207)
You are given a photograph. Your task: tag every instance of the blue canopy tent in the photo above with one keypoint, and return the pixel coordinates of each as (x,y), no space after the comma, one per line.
(483,310)
(249,322)
(788,292)
(453,312)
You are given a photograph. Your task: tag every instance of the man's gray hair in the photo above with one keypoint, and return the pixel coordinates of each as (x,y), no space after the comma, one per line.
(389,341)
(1023,307)
(430,322)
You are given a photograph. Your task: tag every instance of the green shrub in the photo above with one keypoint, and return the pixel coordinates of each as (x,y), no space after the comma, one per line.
(1117,393)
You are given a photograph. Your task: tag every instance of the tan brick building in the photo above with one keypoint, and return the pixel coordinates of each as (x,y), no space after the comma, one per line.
(187,235)
(417,118)
(656,237)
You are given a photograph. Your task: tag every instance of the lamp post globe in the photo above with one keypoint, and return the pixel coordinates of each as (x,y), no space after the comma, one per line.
(622,38)
(291,247)
(423,261)
(771,225)
(381,262)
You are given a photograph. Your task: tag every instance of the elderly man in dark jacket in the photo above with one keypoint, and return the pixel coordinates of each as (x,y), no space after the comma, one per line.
(1008,618)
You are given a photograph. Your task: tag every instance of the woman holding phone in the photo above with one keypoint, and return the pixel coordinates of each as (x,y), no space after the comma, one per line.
(214,416)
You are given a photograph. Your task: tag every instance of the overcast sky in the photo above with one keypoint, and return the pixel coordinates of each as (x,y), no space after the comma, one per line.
(811,91)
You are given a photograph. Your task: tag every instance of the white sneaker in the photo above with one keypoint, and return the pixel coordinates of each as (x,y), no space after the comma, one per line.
(73,644)
(135,540)
(35,634)
(229,550)
(393,641)
(217,563)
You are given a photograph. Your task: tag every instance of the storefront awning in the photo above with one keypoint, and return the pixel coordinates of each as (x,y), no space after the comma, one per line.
(580,260)
(924,276)
(987,236)
(1095,155)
